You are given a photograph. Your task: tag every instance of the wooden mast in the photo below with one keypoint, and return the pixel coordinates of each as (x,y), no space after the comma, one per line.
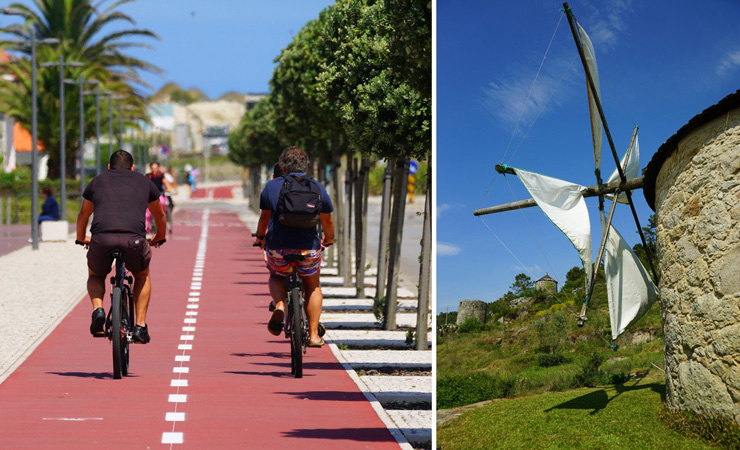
(597,101)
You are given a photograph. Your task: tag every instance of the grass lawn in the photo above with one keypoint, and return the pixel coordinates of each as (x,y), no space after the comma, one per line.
(614,417)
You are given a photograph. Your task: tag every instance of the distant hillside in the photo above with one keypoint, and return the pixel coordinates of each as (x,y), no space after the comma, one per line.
(171,92)
(530,344)
(232,96)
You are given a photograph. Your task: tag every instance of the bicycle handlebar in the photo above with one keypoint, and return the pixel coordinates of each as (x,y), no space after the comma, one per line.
(87,244)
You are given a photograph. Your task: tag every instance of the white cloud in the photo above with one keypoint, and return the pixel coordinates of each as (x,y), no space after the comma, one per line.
(728,63)
(606,22)
(533,270)
(444,207)
(447,249)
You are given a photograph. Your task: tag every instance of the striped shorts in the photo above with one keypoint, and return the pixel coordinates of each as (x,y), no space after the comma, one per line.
(280,267)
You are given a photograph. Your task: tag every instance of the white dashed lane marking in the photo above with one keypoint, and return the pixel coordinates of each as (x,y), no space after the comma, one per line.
(176,399)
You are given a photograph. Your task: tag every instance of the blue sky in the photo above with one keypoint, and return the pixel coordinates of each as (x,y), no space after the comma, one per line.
(219,45)
(660,63)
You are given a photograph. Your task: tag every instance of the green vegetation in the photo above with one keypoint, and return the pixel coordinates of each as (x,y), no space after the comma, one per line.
(616,417)
(96,35)
(355,79)
(540,345)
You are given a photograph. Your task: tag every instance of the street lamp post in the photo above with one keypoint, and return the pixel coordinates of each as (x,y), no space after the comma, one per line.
(81,82)
(62,134)
(34,139)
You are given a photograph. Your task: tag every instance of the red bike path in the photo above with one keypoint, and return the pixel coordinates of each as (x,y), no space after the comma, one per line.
(212,377)
(218,192)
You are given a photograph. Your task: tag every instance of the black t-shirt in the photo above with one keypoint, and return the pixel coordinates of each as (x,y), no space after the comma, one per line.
(157,180)
(120,198)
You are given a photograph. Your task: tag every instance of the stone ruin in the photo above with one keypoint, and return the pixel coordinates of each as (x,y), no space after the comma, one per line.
(471,308)
(693,185)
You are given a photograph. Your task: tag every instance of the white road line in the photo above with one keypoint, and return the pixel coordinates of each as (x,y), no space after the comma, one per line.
(174,417)
(174,437)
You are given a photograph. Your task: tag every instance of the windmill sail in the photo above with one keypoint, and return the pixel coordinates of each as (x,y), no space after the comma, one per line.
(631,169)
(629,287)
(564,205)
(596,125)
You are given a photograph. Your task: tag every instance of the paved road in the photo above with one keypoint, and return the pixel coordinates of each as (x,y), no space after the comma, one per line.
(211,377)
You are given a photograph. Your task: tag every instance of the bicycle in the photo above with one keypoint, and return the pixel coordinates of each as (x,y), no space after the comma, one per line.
(296,319)
(121,318)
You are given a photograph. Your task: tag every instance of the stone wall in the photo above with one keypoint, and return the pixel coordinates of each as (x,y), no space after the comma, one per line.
(471,308)
(697,204)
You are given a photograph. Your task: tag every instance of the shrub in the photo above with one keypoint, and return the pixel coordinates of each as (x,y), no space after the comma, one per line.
(590,373)
(717,430)
(463,390)
(470,325)
(550,359)
(615,378)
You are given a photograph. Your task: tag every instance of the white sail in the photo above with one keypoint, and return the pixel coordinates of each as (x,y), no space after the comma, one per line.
(596,126)
(631,170)
(628,285)
(564,205)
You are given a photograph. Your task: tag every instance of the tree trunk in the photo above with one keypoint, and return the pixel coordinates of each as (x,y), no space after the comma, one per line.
(396,235)
(422,308)
(337,191)
(384,228)
(360,225)
(346,259)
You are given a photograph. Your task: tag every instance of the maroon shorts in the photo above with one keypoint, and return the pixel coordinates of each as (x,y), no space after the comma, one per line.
(137,252)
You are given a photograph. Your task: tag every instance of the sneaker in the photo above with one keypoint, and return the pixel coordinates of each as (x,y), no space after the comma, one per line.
(141,334)
(98,320)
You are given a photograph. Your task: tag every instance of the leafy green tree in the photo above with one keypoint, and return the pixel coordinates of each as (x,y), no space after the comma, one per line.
(81,28)
(523,286)
(652,244)
(381,111)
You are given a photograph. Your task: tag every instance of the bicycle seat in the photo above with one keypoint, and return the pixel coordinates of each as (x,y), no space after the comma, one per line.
(294,258)
(117,252)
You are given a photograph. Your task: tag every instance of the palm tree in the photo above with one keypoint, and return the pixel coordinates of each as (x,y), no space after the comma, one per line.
(80,27)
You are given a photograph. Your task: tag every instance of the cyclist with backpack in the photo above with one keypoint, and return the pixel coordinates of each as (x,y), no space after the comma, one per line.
(293,205)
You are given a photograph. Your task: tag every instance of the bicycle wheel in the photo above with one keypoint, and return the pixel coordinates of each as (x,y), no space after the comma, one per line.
(127,325)
(117,332)
(297,332)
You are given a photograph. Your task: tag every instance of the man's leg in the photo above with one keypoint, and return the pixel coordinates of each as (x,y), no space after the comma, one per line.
(95,288)
(312,290)
(278,291)
(142,293)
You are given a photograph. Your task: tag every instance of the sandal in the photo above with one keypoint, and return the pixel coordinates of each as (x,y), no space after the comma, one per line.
(275,325)
(317,344)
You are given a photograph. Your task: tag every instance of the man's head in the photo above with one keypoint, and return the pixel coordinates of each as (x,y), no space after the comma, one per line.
(293,159)
(154,165)
(121,160)
(46,191)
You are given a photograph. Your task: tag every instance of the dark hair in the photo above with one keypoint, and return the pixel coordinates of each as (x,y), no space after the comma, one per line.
(121,160)
(46,190)
(293,159)
(153,163)
(277,172)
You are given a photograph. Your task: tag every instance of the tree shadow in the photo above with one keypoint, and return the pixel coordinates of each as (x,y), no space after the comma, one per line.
(598,400)
(285,374)
(353,434)
(343,396)
(96,375)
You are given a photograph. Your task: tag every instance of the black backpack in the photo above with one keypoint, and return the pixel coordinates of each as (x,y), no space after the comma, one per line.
(299,204)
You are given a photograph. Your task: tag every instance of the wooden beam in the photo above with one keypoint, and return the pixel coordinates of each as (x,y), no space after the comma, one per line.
(592,191)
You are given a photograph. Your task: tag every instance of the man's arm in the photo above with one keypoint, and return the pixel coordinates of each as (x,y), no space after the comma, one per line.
(82,218)
(327,225)
(159,219)
(262,225)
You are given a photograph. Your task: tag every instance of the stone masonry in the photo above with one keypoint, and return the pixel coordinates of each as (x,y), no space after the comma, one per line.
(471,308)
(697,204)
